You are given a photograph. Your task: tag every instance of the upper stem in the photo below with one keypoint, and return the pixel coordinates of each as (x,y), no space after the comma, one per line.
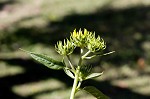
(76,79)
(86,54)
(79,84)
(70,63)
(75,83)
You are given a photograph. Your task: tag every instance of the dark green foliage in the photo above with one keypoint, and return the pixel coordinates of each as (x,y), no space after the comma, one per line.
(95,92)
(47,61)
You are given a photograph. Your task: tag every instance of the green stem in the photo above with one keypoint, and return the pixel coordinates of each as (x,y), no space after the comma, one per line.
(86,54)
(70,63)
(76,79)
(79,84)
(98,55)
(80,60)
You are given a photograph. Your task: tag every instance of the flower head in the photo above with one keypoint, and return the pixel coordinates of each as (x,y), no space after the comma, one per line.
(96,44)
(87,39)
(80,38)
(65,48)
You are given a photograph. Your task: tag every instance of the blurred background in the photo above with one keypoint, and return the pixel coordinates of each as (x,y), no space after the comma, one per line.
(37,25)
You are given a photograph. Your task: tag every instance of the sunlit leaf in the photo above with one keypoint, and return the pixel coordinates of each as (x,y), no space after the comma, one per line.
(93,75)
(69,73)
(95,92)
(106,53)
(46,60)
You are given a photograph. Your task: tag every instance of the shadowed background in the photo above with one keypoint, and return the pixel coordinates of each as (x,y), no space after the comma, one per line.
(37,25)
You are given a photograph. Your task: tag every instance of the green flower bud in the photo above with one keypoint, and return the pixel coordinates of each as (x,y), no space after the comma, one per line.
(95,44)
(80,38)
(87,39)
(65,48)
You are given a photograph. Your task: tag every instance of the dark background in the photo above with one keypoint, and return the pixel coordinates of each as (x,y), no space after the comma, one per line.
(37,25)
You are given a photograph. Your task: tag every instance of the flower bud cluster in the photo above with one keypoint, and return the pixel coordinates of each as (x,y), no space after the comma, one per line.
(65,48)
(81,39)
(96,44)
(87,39)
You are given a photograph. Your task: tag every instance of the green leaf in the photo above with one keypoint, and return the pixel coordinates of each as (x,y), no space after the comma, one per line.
(93,75)
(69,73)
(46,60)
(106,53)
(95,92)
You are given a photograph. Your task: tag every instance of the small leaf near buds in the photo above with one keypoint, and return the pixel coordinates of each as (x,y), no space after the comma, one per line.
(85,71)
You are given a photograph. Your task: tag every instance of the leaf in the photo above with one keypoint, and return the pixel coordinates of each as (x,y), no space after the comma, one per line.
(46,60)
(106,53)
(69,73)
(93,75)
(95,92)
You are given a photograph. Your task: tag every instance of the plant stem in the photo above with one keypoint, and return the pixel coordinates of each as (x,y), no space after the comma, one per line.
(70,63)
(79,84)
(86,54)
(75,83)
